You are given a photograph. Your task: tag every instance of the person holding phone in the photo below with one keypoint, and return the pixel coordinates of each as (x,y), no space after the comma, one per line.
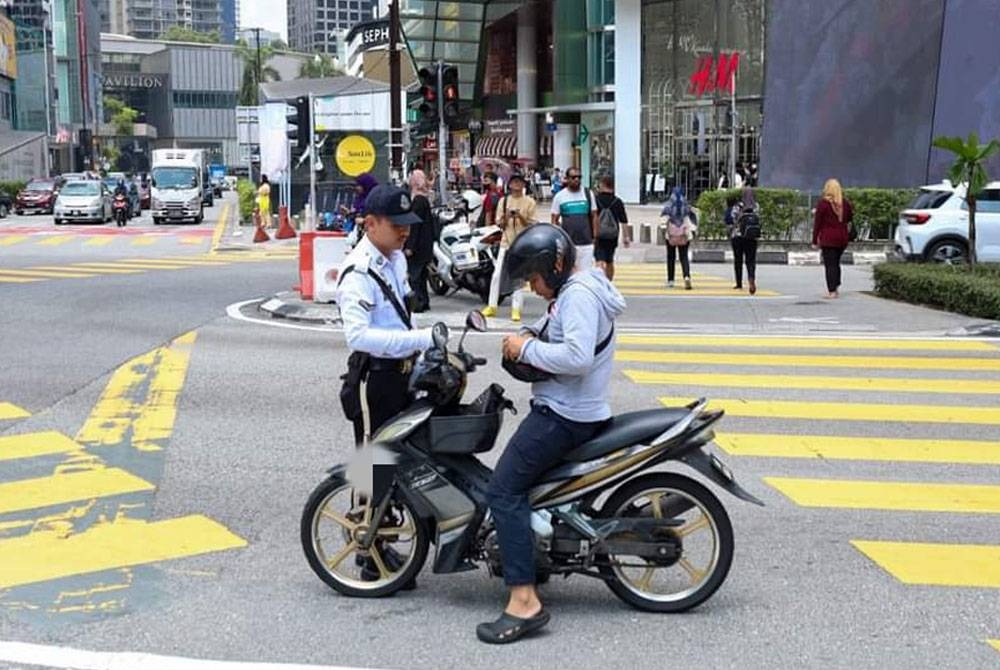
(514,213)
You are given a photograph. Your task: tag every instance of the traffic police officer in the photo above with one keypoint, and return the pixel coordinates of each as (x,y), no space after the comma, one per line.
(372,297)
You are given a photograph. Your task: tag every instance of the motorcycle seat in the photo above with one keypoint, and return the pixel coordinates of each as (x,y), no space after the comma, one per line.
(625,430)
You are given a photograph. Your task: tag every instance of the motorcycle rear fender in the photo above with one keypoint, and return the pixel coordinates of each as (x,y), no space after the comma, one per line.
(717,471)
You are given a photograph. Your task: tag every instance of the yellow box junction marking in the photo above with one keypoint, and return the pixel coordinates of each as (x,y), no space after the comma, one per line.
(787,360)
(860,448)
(10,411)
(30,445)
(42,556)
(899,496)
(889,384)
(70,487)
(927,564)
(762,342)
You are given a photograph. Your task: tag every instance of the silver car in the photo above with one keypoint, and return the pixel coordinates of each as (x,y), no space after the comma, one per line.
(88,201)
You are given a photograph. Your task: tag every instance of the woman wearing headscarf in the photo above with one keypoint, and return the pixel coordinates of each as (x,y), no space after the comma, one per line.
(681,224)
(831,232)
(419,247)
(744,243)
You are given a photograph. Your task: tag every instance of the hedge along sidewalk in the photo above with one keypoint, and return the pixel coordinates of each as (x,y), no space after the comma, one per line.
(956,288)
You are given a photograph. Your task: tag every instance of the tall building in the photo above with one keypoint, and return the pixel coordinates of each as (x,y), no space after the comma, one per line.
(322,25)
(229,20)
(148,19)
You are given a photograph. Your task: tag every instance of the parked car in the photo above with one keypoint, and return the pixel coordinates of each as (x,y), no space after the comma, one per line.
(935,227)
(85,200)
(5,205)
(38,195)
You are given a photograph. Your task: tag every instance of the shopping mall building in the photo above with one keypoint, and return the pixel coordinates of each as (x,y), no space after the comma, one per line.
(661,92)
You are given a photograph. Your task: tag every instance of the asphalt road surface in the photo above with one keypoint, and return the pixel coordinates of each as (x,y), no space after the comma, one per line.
(156,452)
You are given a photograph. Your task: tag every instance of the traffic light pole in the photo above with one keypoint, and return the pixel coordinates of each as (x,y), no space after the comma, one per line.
(395,88)
(442,136)
(312,163)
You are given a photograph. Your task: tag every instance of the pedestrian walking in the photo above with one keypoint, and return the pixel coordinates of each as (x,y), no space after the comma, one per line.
(419,249)
(515,212)
(557,183)
(831,232)
(575,209)
(491,196)
(743,221)
(610,205)
(681,225)
(264,201)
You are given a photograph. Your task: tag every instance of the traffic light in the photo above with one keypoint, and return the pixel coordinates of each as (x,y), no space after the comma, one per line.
(449,92)
(429,94)
(300,123)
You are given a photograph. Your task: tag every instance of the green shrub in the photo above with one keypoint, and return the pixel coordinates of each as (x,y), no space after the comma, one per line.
(12,188)
(877,209)
(780,211)
(956,288)
(248,196)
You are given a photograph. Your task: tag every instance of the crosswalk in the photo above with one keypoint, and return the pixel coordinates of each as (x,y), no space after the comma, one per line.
(104,238)
(827,400)
(640,280)
(139,265)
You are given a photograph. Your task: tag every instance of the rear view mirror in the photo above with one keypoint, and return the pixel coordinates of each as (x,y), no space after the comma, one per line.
(439,333)
(476,321)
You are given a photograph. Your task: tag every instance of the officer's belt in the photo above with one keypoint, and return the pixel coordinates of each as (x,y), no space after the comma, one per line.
(401,365)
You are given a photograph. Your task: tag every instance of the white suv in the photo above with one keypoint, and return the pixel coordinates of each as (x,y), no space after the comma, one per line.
(936,225)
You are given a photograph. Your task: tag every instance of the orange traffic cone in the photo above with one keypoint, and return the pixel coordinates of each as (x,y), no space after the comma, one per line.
(285,230)
(260,235)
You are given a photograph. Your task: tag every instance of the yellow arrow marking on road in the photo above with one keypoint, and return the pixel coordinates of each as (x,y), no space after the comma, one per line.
(888,384)
(897,496)
(936,564)
(860,448)
(10,411)
(46,555)
(70,487)
(762,342)
(846,411)
(788,360)
(30,445)
(10,240)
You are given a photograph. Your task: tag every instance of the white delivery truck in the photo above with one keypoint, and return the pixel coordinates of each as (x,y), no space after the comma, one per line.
(178,185)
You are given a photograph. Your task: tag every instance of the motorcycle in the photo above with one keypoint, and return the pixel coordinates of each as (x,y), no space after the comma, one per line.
(464,256)
(662,542)
(121,208)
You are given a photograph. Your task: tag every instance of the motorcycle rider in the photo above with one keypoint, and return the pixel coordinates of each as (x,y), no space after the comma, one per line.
(574,344)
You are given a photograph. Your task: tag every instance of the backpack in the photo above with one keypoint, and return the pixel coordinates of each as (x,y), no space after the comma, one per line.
(677,232)
(749,224)
(607,224)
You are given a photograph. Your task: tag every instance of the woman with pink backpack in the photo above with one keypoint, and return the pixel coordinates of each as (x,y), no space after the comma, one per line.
(681,223)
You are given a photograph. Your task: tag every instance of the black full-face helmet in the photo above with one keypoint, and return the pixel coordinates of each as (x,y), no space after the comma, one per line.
(537,249)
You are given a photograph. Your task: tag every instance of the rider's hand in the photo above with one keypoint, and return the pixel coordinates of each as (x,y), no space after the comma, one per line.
(513,345)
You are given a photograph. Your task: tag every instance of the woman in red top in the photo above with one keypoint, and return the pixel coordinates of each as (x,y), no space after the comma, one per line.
(831,234)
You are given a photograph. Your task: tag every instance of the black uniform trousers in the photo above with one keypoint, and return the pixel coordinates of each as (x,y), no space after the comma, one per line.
(387,393)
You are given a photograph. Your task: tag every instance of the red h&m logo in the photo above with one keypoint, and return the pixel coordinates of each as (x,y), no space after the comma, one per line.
(714,75)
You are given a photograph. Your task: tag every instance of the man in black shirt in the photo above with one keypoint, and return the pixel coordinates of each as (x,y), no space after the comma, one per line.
(604,250)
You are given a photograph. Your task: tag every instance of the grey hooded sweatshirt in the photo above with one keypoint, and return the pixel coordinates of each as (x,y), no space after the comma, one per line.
(580,319)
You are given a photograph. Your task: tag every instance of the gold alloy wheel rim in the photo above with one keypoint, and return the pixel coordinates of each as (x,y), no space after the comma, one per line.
(330,524)
(637,574)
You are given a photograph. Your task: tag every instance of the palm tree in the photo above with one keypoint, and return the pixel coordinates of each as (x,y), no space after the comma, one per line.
(319,66)
(248,55)
(969,168)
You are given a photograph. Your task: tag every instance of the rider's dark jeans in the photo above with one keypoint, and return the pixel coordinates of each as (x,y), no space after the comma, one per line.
(540,441)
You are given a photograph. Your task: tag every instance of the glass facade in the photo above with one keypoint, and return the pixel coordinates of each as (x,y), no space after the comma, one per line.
(448,31)
(601,49)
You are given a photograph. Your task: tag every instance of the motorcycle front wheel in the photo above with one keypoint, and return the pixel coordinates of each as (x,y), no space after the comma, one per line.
(333,522)
(705,535)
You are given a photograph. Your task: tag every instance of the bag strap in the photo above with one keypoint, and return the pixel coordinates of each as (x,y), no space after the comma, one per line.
(387,291)
(607,341)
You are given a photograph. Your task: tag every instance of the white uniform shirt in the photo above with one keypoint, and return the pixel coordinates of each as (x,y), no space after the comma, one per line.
(371,323)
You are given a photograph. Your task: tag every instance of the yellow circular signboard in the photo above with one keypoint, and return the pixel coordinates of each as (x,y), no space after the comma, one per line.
(355,155)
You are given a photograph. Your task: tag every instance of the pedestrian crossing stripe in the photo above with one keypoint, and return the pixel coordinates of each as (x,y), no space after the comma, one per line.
(681,292)
(889,495)
(932,564)
(69,487)
(887,384)
(46,274)
(99,241)
(968,452)
(846,343)
(11,411)
(31,445)
(637,282)
(994,643)
(56,240)
(11,240)
(18,280)
(48,554)
(144,241)
(847,411)
(799,361)
(101,268)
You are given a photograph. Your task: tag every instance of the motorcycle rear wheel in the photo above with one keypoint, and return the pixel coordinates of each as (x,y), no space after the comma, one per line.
(707,531)
(331,523)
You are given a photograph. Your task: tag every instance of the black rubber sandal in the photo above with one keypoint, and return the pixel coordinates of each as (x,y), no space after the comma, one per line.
(509,628)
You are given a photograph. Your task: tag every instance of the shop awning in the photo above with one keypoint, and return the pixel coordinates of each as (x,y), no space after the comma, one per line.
(497,146)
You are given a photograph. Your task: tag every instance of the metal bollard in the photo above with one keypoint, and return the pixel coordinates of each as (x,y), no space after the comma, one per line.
(661,236)
(645,233)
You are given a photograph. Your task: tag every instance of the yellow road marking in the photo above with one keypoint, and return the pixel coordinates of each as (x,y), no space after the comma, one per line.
(220,228)
(46,555)
(680,292)
(191,239)
(56,240)
(17,280)
(639,282)
(63,488)
(106,268)
(860,448)
(30,445)
(143,266)
(898,496)
(788,360)
(99,241)
(175,261)
(808,343)
(10,240)
(889,384)
(846,411)
(10,411)
(994,643)
(46,274)
(145,240)
(936,564)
